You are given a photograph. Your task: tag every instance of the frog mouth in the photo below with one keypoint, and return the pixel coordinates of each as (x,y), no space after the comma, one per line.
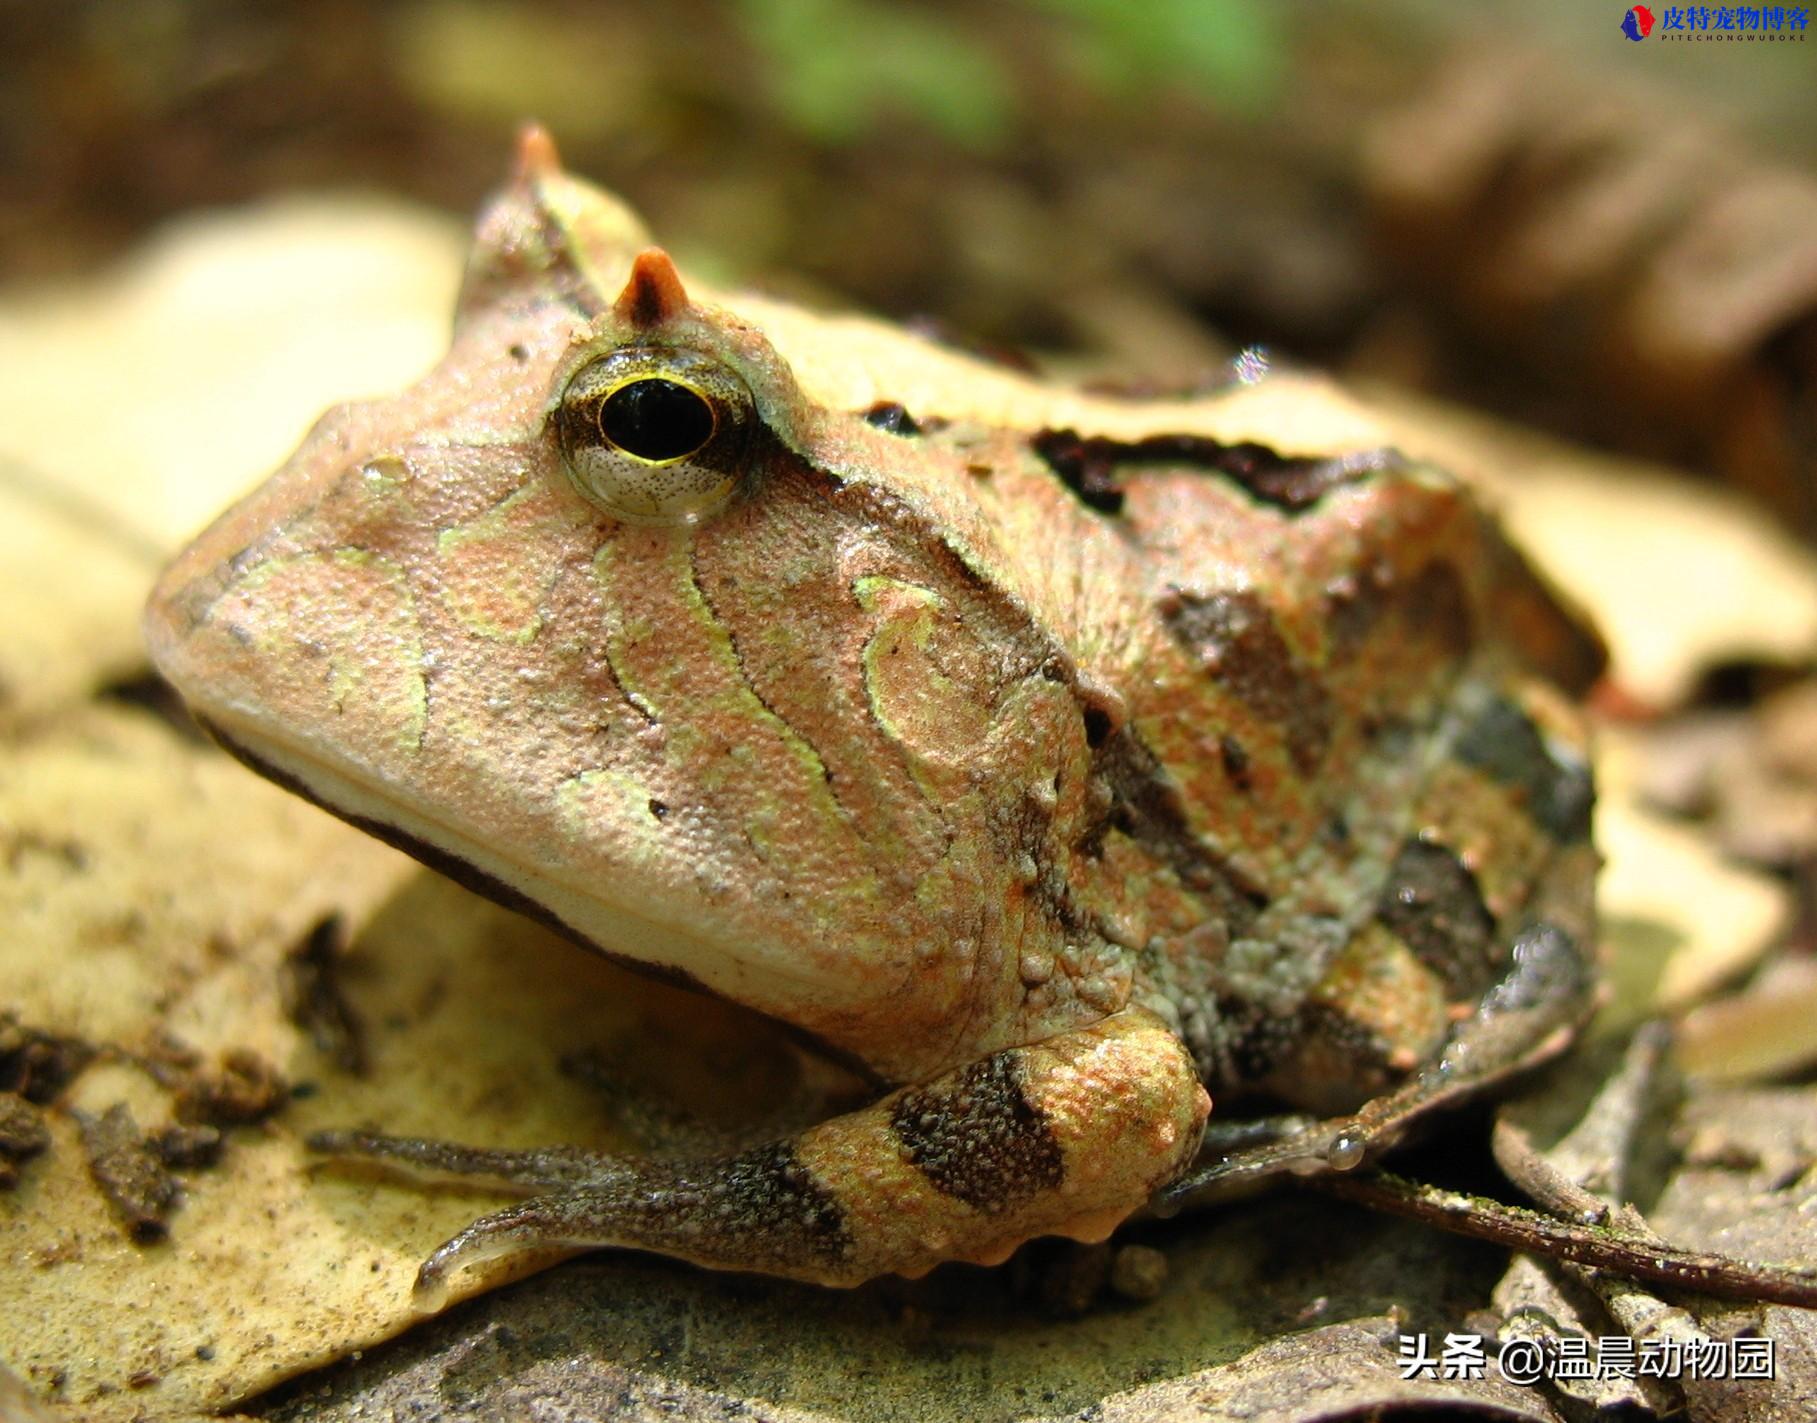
(484,882)
(459,865)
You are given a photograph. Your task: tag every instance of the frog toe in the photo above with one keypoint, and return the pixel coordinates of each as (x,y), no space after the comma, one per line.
(552,1223)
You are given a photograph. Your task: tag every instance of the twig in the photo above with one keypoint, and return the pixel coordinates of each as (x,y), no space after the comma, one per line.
(1584,1244)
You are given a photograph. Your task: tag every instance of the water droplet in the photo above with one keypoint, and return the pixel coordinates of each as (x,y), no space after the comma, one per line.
(384,473)
(1346,1151)
(1251,364)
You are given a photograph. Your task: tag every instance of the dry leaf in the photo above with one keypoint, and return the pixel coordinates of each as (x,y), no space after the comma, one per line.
(1693,919)
(1768,1030)
(1680,576)
(73,591)
(219,345)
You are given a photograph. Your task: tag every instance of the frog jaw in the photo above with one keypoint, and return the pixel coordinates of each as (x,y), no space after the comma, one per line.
(625,934)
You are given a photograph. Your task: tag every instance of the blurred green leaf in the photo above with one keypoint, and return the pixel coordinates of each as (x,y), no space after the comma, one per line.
(838,67)
(1229,52)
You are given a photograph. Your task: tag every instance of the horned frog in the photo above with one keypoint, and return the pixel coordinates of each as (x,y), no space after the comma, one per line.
(1055,759)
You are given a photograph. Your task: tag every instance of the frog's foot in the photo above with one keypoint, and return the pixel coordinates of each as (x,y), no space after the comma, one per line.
(1062,1137)
(1531,1014)
(544,1168)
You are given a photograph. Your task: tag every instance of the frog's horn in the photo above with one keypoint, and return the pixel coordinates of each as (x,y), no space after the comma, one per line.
(549,228)
(653,294)
(535,157)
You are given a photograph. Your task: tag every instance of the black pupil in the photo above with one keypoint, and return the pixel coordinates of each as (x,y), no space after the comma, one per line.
(656,419)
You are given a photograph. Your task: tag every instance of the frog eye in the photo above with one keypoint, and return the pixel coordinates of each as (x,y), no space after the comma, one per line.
(655,434)
(657,420)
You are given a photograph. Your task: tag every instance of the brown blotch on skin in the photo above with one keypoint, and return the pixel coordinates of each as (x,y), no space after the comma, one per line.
(766,1194)
(1505,744)
(1432,608)
(1088,465)
(1081,468)
(1438,611)
(1234,636)
(128,1172)
(1145,804)
(1334,1063)
(313,999)
(1236,761)
(653,294)
(1432,904)
(1293,483)
(977,1137)
(1555,638)
(1255,1043)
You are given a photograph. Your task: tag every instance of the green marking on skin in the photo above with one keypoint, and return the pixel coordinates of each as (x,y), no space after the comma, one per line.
(735,700)
(593,799)
(915,627)
(590,220)
(410,654)
(906,613)
(507,609)
(348,676)
(870,588)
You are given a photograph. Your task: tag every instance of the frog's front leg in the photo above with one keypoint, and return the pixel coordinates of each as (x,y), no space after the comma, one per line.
(1546,992)
(1062,1137)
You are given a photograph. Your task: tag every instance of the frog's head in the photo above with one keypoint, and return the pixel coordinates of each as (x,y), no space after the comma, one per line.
(610,617)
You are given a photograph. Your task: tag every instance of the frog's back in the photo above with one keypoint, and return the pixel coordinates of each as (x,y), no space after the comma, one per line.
(1341,770)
